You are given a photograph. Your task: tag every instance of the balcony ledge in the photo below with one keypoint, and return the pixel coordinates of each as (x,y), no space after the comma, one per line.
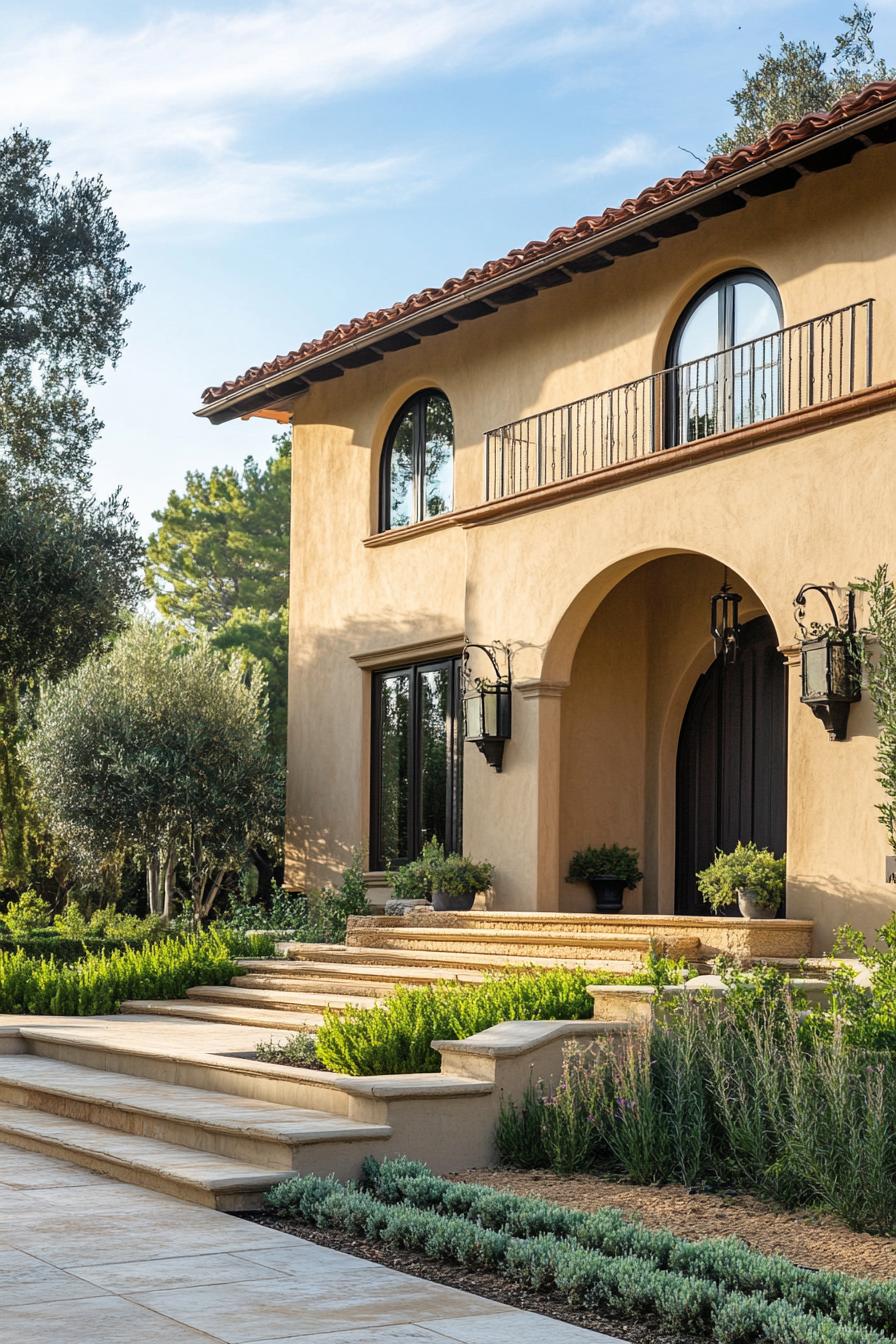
(841,410)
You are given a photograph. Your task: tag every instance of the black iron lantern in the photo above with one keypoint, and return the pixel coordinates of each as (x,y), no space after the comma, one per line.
(487,704)
(724,622)
(829,660)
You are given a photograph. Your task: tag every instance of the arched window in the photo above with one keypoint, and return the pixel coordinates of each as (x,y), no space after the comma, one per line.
(725,358)
(417,480)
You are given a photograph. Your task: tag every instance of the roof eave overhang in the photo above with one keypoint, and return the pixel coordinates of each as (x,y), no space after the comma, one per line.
(229,407)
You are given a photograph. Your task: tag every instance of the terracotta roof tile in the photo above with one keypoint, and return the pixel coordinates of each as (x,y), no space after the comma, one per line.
(589,226)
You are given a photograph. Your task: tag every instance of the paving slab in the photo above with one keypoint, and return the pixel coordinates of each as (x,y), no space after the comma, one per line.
(119,1264)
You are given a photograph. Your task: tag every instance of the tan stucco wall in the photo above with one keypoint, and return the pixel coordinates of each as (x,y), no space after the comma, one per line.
(811,508)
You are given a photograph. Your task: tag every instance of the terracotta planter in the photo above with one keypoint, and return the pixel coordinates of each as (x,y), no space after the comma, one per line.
(443,900)
(607,894)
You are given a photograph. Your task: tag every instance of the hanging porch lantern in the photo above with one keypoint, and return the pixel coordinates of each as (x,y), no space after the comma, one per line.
(487,703)
(829,660)
(724,622)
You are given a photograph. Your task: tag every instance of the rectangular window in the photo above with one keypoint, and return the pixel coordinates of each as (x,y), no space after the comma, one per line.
(416,761)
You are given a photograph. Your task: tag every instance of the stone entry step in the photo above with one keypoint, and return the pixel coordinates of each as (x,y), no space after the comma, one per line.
(200,1178)
(297,1001)
(371,981)
(610,946)
(414,958)
(211,1148)
(236,1014)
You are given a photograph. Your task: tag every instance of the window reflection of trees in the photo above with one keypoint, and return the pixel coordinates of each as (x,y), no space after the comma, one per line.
(434,751)
(418,468)
(726,358)
(417,761)
(438,457)
(394,724)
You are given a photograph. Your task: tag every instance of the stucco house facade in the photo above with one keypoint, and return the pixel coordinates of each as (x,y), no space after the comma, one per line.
(569,452)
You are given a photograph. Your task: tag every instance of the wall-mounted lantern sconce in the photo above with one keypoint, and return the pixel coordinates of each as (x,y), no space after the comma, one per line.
(724,622)
(829,659)
(487,703)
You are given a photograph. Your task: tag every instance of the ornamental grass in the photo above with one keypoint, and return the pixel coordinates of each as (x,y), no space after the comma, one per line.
(755,1096)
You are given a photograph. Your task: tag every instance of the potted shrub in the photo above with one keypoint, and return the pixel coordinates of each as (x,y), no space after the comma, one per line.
(609,870)
(752,877)
(457,880)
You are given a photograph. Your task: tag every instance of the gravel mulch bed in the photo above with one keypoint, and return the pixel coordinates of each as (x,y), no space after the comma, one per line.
(493,1286)
(813,1239)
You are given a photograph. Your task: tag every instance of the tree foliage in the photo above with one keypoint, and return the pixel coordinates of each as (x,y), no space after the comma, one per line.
(64,290)
(219,564)
(881,671)
(162,750)
(68,563)
(798,79)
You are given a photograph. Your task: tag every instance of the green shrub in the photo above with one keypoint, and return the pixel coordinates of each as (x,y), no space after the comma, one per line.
(99,982)
(28,913)
(47,943)
(71,923)
(299,1051)
(318,917)
(595,862)
(414,881)
(395,1036)
(458,876)
(746,868)
(715,1288)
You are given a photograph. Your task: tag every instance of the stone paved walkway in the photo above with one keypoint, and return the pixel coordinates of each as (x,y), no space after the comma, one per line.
(88,1260)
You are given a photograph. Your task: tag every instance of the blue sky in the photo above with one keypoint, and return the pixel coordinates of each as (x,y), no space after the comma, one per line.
(280,168)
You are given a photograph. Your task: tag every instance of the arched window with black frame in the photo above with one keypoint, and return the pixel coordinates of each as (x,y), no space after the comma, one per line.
(725,358)
(417,474)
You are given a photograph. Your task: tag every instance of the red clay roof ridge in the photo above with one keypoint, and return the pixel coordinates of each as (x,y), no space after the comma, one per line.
(665,190)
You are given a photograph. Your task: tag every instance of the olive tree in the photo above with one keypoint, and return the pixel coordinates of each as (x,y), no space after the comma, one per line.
(158,748)
(881,673)
(800,78)
(69,563)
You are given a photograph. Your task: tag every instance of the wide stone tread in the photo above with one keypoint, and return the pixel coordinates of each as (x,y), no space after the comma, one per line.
(266,998)
(124,1099)
(283,974)
(237,1015)
(628,947)
(461,959)
(202,1178)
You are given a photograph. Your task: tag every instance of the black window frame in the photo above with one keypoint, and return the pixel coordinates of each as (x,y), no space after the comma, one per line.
(454,793)
(417,403)
(723,285)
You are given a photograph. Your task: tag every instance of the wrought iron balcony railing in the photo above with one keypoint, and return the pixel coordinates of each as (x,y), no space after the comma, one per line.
(787,370)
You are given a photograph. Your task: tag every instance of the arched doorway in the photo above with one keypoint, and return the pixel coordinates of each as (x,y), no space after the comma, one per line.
(731,774)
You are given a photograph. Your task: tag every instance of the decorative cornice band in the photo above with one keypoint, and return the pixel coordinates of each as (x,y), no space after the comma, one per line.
(541,690)
(410,653)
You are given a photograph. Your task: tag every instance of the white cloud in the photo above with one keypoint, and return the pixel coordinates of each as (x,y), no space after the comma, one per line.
(165,110)
(170,110)
(633,151)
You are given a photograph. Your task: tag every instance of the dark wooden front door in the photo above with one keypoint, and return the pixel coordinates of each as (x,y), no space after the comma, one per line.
(731,781)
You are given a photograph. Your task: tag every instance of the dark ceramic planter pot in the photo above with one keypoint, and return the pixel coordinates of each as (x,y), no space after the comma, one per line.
(441,900)
(607,894)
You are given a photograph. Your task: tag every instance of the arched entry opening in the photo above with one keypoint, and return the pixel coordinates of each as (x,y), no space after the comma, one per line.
(731,769)
(642,678)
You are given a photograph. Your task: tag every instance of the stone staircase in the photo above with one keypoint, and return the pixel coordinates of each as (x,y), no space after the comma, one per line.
(382,952)
(185,1109)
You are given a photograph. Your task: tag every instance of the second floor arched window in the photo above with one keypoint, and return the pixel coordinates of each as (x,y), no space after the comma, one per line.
(417,475)
(725,358)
